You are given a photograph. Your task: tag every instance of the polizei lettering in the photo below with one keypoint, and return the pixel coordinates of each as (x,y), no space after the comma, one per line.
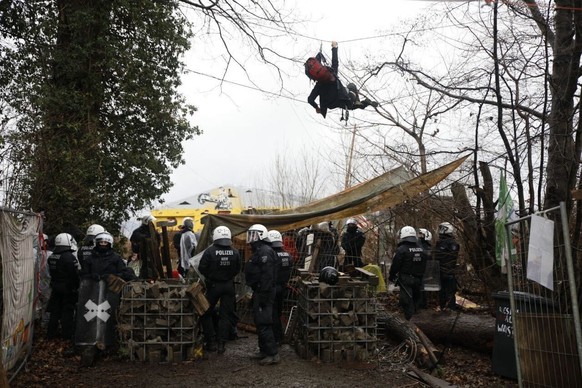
(225,252)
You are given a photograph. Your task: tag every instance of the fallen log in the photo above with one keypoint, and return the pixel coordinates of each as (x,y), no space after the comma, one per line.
(468,330)
(398,328)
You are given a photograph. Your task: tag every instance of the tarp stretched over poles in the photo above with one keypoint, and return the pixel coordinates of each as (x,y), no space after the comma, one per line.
(382,192)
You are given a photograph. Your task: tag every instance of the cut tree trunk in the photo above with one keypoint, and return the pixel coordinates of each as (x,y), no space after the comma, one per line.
(467,330)
(398,328)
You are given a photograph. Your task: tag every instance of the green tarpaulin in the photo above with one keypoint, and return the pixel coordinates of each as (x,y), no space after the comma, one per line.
(380,193)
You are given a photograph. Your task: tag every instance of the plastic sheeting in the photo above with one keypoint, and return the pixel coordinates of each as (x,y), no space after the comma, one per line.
(380,193)
(18,232)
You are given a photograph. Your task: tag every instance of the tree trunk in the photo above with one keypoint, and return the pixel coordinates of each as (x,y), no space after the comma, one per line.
(396,327)
(467,330)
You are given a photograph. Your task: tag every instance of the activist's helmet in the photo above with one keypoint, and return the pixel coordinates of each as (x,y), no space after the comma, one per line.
(446,229)
(257,232)
(222,236)
(276,239)
(329,275)
(407,233)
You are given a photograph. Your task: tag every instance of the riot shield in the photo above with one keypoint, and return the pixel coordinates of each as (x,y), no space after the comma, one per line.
(431,280)
(96,314)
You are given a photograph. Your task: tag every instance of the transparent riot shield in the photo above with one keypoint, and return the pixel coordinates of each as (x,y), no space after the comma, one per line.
(432,276)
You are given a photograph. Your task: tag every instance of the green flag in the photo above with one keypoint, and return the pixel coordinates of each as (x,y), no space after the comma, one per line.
(504,213)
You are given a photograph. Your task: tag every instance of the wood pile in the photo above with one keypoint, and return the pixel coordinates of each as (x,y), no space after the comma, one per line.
(336,323)
(158,322)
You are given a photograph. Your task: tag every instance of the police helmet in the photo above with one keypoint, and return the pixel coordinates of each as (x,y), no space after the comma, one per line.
(257,232)
(425,234)
(329,275)
(276,239)
(407,233)
(105,236)
(446,229)
(222,236)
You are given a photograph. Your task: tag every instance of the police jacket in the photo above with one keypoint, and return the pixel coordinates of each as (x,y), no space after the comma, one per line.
(220,263)
(331,95)
(63,270)
(284,266)
(106,262)
(446,251)
(260,270)
(84,253)
(409,259)
(352,242)
(139,234)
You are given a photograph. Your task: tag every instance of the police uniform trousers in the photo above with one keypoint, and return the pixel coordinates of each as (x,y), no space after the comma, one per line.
(280,291)
(410,289)
(225,293)
(263,316)
(62,306)
(447,297)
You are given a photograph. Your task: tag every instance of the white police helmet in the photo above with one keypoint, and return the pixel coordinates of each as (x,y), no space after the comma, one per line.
(65,240)
(257,232)
(446,229)
(94,230)
(425,234)
(145,220)
(222,236)
(276,239)
(104,236)
(407,233)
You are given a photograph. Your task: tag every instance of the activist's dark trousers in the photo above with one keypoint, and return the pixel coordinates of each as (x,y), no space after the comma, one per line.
(225,293)
(263,316)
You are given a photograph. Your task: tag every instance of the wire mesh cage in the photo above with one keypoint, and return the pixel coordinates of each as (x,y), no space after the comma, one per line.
(336,323)
(158,322)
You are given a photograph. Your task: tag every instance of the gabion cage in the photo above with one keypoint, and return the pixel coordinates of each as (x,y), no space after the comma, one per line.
(158,322)
(337,323)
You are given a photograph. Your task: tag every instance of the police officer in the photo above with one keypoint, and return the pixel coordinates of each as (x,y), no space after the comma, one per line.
(408,265)
(425,240)
(104,263)
(446,251)
(284,266)
(260,275)
(353,240)
(220,263)
(64,287)
(89,242)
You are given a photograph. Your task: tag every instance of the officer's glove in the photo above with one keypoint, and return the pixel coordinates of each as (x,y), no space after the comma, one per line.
(115,283)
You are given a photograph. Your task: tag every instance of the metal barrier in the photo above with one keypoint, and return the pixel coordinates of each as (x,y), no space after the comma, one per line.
(337,323)
(544,308)
(157,322)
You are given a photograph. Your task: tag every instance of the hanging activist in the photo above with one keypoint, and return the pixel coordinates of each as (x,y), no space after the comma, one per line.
(328,87)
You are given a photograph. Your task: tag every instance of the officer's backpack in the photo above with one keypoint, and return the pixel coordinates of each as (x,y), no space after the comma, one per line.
(319,72)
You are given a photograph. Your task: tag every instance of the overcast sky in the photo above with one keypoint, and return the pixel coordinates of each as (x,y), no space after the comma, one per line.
(244,129)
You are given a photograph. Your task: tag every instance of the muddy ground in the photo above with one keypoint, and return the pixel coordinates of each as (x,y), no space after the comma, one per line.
(49,367)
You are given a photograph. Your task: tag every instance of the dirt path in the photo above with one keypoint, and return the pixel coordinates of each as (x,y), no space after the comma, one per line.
(48,368)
